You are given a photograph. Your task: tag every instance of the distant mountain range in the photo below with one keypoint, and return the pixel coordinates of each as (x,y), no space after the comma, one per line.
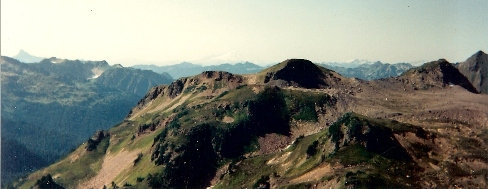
(350,64)
(361,69)
(186,69)
(51,106)
(368,70)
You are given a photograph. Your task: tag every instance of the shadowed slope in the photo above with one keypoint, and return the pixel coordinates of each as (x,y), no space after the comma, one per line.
(438,73)
(475,68)
(299,73)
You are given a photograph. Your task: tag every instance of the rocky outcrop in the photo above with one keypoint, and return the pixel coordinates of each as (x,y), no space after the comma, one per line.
(47,182)
(96,139)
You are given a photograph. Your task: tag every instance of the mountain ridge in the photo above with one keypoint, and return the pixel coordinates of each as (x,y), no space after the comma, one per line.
(223,130)
(186,69)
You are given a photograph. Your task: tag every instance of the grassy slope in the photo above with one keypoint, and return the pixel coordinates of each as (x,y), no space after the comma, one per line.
(70,169)
(354,164)
(124,135)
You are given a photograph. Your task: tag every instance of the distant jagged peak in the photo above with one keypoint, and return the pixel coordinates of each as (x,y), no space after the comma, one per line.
(25,57)
(22,52)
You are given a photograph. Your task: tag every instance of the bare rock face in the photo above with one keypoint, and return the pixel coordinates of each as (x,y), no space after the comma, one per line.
(438,73)
(47,182)
(96,139)
(175,88)
(475,68)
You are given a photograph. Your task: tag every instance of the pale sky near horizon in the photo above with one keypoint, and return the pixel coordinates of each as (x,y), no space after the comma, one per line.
(263,32)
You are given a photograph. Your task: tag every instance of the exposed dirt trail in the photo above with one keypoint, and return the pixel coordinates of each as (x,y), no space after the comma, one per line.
(111,167)
(314,174)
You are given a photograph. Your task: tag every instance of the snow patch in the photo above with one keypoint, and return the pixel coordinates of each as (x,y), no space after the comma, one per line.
(95,76)
(97,72)
(57,60)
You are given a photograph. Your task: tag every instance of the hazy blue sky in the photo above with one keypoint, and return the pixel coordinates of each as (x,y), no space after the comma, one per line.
(202,31)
